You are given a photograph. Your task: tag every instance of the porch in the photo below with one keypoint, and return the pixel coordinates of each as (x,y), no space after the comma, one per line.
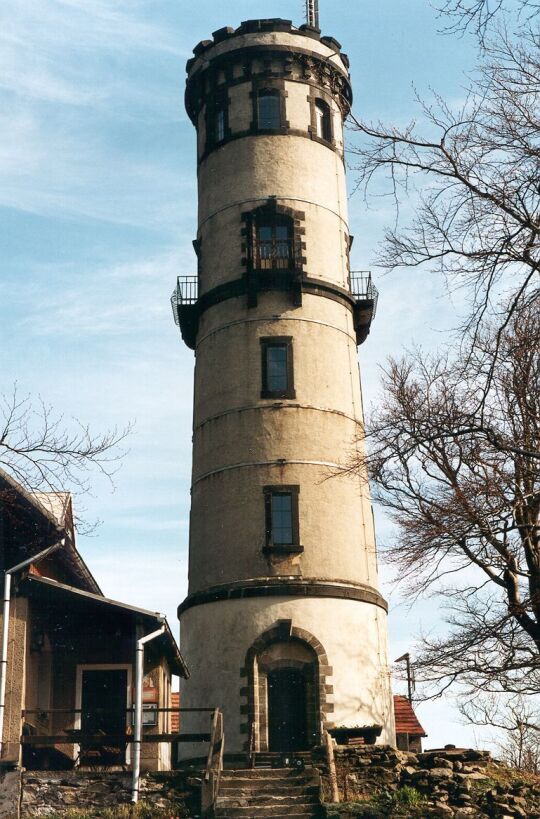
(78,691)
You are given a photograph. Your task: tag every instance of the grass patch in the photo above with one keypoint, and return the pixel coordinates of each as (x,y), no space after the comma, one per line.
(140,811)
(405,802)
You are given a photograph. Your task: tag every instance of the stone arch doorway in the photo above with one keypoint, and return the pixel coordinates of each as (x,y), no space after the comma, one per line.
(287,702)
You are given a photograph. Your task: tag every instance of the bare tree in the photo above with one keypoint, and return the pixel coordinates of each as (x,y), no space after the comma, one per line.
(44,453)
(462,483)
(476,173)
(478,15)
(517,725)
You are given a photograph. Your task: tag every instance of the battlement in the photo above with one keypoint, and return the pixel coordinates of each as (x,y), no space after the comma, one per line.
(273,24)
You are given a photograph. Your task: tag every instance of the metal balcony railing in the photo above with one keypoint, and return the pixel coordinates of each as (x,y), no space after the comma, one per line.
(272,275)
(185,292)
(275,254)
(363,289)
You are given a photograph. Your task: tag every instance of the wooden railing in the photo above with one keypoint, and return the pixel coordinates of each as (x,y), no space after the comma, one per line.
(69,735)
(214,765)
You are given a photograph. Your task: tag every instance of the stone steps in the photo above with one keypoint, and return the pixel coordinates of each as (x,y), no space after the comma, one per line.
(272,811)
(276,793)
(254,798)
(260,813)
(269,773)
(249,787)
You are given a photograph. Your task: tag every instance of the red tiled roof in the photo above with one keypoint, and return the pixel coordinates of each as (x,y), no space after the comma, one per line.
(406,720)
(175,716)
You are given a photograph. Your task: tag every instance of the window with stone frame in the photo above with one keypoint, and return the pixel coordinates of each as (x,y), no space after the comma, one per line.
(277,367)
(269,109)
(281,518)
(217,120)
(323,120)
(273,248)
(219,125)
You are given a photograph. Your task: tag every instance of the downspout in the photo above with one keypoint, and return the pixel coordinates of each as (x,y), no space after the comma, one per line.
(5,626)
(137,739)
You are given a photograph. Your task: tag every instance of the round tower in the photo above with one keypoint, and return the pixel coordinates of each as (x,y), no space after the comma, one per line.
(283,628)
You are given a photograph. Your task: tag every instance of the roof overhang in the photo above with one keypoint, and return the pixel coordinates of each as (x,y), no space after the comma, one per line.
(44,587)
(27,506)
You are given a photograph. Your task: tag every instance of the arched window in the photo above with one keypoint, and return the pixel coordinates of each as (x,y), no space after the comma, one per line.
(274,243)
(269,110)
(323,122)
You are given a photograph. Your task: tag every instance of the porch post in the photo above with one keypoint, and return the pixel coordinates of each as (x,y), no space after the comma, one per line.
(5,627)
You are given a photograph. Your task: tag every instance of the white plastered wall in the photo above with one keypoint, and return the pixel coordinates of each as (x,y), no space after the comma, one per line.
(216,638)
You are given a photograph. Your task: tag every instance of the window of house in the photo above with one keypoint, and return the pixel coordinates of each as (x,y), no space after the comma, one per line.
(150,714)
(274,245)
(277,367)
(281,512)
(269,110)
(323,123)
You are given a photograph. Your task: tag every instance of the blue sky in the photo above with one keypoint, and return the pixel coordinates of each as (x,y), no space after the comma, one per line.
(98,211)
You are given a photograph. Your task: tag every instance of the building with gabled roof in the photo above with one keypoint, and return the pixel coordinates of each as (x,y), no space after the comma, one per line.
(70,662)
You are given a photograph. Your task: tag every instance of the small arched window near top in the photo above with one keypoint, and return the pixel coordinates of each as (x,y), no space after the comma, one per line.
(323,122)
(269,110)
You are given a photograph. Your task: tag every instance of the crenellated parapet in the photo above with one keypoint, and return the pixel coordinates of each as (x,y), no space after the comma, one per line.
(267,55)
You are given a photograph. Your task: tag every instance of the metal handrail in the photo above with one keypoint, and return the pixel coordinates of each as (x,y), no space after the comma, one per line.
(251,746)
(214,765)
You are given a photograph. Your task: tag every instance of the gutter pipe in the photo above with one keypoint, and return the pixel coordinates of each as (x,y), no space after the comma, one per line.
(137,739)
(5,625)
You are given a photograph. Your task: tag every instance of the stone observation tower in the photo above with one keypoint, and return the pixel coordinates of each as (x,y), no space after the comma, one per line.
(283,627)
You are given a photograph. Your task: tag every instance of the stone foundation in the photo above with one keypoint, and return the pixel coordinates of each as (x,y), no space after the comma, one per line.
(378,781)
(10,794)
(48,793)
(374,782)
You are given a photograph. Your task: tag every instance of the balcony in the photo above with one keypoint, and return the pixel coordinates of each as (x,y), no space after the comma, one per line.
(184,307)
(187,307)
(365,296)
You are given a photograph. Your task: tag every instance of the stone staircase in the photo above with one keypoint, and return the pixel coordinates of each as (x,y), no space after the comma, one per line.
(279,793)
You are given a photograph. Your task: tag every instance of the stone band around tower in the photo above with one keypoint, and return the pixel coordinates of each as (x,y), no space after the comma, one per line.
(281,587)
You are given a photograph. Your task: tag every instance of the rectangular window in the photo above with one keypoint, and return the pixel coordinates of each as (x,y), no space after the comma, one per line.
(220,125)
(269,110)
(281,514)
(277,367)
(323,120)
(282,524)
(149,714)
(274,246)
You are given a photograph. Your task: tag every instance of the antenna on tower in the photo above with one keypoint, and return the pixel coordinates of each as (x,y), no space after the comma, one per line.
(312,13)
